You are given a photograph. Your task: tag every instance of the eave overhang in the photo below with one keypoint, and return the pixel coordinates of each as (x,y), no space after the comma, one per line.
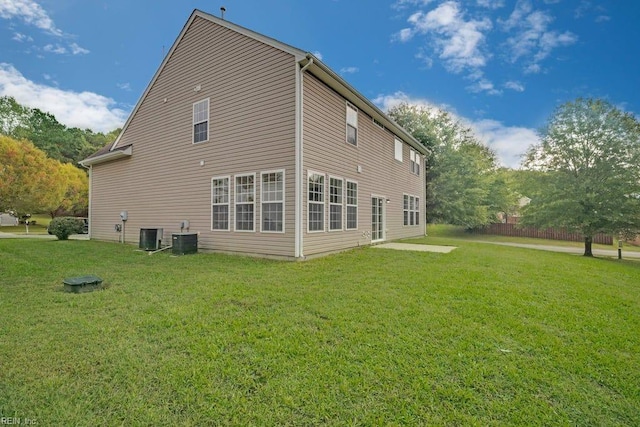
(116,154)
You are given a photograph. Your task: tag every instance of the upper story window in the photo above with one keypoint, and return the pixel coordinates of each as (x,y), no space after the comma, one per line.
(398,150)
(415,162)
(352,124)
(201,121)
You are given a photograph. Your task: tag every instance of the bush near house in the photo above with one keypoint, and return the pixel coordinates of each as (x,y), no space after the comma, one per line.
(63,227)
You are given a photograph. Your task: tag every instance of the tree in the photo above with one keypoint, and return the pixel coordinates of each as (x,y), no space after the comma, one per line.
(462,173)
(75,199)
(29,181)
(589,156)
(69,145)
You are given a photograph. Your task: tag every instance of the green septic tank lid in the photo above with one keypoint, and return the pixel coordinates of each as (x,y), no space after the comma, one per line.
(82,280)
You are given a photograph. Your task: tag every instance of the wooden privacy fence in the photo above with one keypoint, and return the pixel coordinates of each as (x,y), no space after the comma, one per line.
(549,233)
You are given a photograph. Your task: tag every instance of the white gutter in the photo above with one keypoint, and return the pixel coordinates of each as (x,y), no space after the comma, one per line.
(299,187)
(106,157)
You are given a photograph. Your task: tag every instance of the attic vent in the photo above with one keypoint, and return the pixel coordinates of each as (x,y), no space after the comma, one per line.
(376,122)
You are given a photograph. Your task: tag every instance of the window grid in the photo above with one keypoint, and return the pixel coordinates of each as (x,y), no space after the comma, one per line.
(411,210)
(352,205)
(201,121)
(220,204)
(272,201)
(245,202)
(315,195)
(335,203)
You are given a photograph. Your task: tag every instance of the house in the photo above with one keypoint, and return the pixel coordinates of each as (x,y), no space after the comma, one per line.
(258,147)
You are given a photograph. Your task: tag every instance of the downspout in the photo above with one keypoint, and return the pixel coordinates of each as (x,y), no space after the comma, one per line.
(90,169)
(299,247)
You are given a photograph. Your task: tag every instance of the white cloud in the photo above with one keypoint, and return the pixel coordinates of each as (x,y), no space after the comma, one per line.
(514,85)
(508,142)
(491,4)
(77,50)
(30,13)
(61,50)
(75,109)
(483,85)
(533,41)
(458,42)
(349,70)
(19,37)
(386,102)
(602,18)
(57,49)
(318,55)
(124,86)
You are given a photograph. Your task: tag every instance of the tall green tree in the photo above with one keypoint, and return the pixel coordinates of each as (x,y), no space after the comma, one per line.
(589,156)
(69,145)
(463,177)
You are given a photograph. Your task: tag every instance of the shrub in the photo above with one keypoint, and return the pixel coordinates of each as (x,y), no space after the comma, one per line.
(63,227)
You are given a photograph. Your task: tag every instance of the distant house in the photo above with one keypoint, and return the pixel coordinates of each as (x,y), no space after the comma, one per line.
(7,219)
(262,148)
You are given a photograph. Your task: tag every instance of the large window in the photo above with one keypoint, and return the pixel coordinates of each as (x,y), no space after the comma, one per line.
(335,203)
(398,150)
(315,214)
(201,121)
(245,202)
(352,124)
(352,205)
(272,201)
(411,210)
(220,203)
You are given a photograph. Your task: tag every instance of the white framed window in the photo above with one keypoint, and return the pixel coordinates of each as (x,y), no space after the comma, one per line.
(245,196)
(352,205)
(315,198)
(201,121)
(352,124)
(411,210)
(272,201)
(336,191)
(220,203)
(398,150)
(415,162)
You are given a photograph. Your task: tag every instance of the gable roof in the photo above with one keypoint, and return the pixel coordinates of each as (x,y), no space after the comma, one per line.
(317,67)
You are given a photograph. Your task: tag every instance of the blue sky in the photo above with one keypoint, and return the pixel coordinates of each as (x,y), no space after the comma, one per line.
(502,66)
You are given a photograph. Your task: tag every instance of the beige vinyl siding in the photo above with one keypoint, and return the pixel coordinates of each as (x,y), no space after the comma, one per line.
(326,150)
(251,88)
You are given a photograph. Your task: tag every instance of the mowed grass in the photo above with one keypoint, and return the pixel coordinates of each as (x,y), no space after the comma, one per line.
(485,335)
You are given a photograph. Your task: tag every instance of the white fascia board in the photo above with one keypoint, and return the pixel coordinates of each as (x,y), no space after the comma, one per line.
(107,157)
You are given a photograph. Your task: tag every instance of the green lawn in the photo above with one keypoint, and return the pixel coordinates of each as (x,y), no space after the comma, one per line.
(481,336)
(455,232)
